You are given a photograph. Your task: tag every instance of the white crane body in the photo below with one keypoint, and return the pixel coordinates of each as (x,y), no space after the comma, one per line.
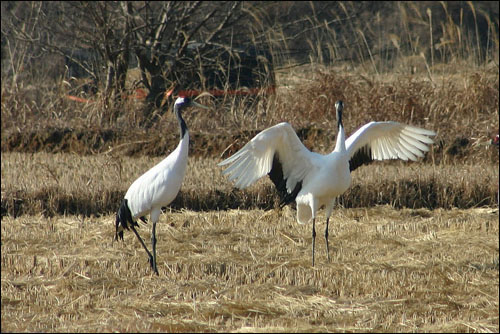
(318,191)
(157,187)
(315,180)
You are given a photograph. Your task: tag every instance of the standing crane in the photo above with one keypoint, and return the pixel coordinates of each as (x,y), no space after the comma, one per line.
(314,180)
(157,187)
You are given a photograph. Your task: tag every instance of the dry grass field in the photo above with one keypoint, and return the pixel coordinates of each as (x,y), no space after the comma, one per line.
(414,246)
(248,269)
(408,270)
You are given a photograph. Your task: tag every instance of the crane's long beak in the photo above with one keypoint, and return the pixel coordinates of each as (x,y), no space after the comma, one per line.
(196,104)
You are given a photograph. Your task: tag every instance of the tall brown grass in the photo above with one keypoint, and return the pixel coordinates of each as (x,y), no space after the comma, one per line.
(447,49)
(94,185)
(461,170)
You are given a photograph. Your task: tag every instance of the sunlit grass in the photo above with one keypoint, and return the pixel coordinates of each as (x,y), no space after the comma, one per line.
(250,270)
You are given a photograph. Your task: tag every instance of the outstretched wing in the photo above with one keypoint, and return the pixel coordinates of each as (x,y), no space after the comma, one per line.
(276,151)
(387,140)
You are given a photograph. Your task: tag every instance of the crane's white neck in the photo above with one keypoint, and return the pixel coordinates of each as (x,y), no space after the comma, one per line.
(340,143)
(184,144)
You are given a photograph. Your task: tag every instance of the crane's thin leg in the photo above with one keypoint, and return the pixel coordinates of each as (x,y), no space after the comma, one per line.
(153,243)
(328,208)
(314,238)
(142,243)
(326,238)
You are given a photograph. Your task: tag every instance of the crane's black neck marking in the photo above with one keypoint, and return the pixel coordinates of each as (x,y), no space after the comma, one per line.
(276,175)
(339,115)
(182,124)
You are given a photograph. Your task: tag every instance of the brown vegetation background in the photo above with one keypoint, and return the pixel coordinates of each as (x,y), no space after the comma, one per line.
(414,246)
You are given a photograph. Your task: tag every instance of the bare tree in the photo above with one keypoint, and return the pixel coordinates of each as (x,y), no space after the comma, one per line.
(17,30)
(164,31)
(168,38)
(79,31)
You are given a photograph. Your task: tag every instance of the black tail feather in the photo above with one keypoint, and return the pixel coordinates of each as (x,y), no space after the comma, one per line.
(276,175)
(123,220)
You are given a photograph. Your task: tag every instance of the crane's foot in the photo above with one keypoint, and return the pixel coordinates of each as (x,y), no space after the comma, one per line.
(153,265)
